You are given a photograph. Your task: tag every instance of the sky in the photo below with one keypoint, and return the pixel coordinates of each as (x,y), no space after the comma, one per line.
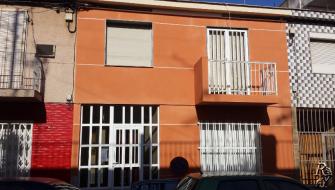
(249,2)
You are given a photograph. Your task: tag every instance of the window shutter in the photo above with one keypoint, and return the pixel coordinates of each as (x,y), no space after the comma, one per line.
(323,56)
(129,46)
(13,27)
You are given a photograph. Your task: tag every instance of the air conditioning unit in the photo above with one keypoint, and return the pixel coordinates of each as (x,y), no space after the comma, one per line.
(45,50)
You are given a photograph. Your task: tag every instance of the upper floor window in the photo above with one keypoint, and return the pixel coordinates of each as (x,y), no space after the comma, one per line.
(227,44)
(129,44)
(322,47)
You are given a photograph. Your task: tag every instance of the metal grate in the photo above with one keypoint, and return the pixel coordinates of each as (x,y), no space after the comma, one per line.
(15,149)
(230,148)
(257,78)
(18,69)
(29,78)
(316,131)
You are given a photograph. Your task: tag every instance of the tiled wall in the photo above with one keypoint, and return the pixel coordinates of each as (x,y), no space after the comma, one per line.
(309,89)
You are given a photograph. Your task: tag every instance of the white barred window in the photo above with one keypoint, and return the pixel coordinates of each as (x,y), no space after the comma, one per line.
(118,145)
(230,148)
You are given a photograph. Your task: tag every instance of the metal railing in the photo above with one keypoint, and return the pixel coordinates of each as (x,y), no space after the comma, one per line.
(316,134)
(21,71)
(242,78)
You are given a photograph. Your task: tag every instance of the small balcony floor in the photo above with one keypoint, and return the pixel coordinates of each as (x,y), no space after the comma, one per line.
(20,95)
(238,99)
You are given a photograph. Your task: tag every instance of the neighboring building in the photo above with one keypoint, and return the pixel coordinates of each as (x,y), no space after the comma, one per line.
(311,53)
(163,88)
(324,5)
(36,77)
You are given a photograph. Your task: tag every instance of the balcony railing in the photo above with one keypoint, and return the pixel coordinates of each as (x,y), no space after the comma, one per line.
(242,78)
(20,71)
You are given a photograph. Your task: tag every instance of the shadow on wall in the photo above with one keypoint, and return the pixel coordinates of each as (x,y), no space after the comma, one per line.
(179,166)
(10,146)
(179,158)
(270,157)
(23,111)
(233,114)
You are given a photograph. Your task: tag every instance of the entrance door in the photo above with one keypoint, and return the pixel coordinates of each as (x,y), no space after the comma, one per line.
(15,149)
(119,146)
(127,156)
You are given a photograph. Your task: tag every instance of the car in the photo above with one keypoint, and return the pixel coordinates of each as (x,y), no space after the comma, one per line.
(34,183)
(156,184)
(246,182)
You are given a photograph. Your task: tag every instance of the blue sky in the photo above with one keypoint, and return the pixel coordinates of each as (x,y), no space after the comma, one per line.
(250,2)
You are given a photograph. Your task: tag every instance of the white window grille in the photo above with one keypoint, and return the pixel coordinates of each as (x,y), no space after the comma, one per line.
(230,148)
(129,44)
(15,149)
(13,33)
(119,145)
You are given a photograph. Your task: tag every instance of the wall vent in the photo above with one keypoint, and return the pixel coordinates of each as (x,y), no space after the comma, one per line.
(45,50)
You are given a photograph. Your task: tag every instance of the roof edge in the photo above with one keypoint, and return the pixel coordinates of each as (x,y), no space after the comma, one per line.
(199,6)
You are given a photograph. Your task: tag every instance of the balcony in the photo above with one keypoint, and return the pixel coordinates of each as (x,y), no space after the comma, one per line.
(221,81)
(21,76)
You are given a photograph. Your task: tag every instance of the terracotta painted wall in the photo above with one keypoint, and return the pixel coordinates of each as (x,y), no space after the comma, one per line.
(52,143)
(179,43)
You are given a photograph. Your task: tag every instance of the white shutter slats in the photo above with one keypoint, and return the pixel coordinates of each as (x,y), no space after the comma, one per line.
(129,46)
(323,56)
(13,27)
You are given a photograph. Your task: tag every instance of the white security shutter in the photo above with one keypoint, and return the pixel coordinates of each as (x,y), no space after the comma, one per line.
(129,45)
(230,148)
(13,27)
(323,56)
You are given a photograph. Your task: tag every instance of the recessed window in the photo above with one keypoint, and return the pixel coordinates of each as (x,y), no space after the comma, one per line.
(129,44)
(322,47)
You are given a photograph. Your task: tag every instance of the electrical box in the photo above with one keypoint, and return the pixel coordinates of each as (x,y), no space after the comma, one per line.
(68,17)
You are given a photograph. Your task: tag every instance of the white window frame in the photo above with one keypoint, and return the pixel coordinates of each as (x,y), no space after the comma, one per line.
(113,127)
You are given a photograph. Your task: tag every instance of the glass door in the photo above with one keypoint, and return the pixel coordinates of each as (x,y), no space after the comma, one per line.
(118,146)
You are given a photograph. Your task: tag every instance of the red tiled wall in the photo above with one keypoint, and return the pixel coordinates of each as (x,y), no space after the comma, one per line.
(51,143)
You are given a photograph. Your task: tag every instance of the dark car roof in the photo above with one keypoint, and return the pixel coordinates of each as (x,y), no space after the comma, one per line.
(45,180)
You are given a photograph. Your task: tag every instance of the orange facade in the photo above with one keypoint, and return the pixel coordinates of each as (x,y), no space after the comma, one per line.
(175,83)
